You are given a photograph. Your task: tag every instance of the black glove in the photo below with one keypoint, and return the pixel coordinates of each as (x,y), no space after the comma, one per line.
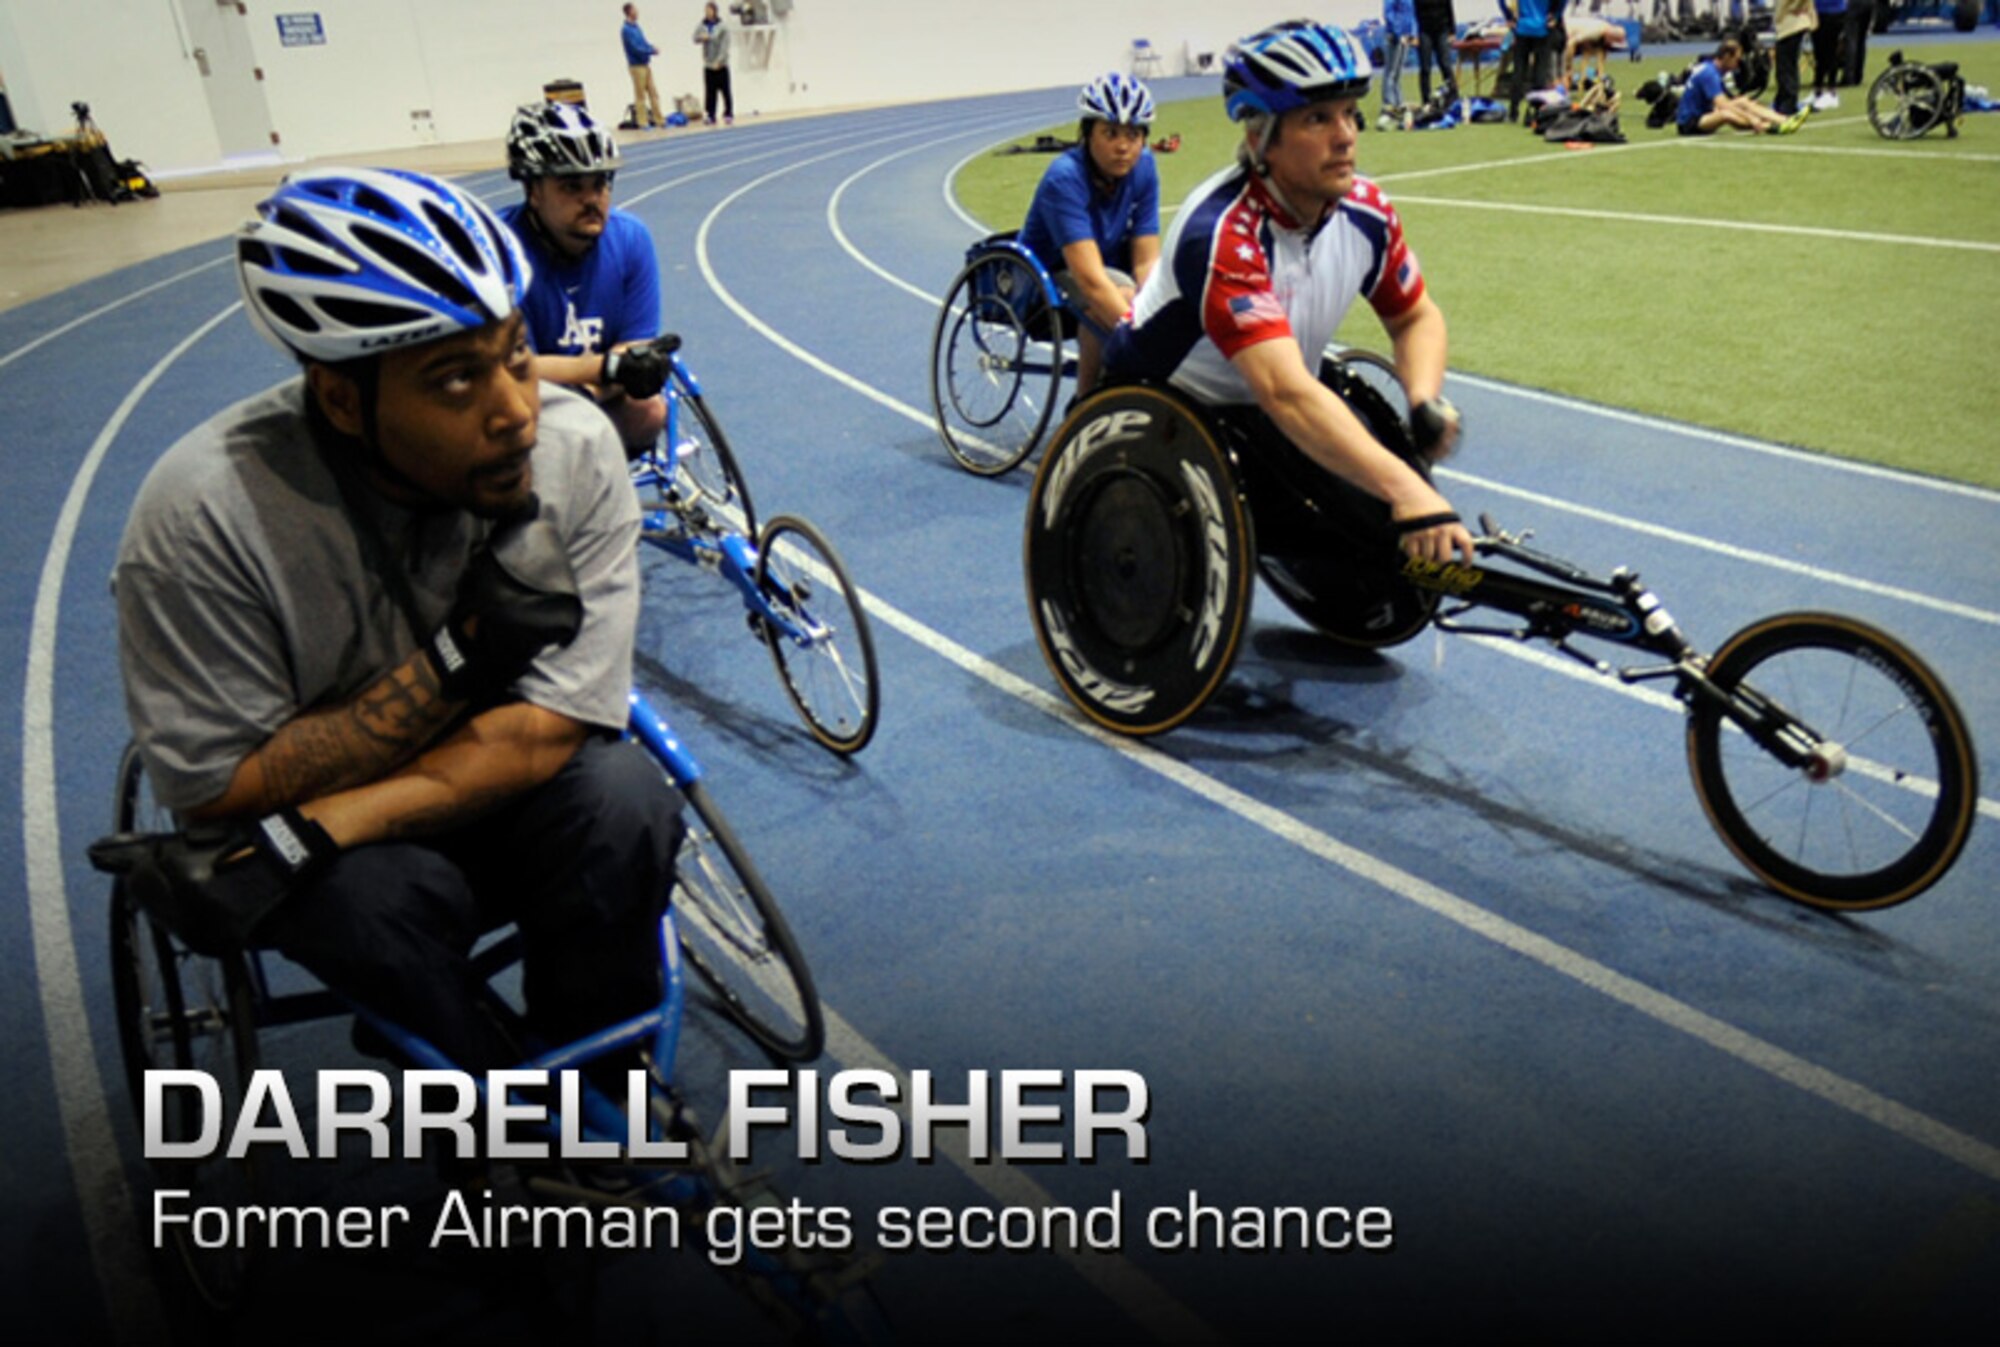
(1432,422)
(640,370)
(516,599)
(212,884)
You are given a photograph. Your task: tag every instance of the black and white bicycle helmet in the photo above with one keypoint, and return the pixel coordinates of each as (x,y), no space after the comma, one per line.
(557,140)
(342,263)
(1117,98)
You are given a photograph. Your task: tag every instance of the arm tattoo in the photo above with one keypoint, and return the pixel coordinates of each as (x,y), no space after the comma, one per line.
(339,747)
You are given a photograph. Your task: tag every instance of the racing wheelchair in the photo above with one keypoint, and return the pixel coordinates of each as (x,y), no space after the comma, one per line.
(796,593)
(1911,99)
(178,1008)
(999,355)
(1830,759)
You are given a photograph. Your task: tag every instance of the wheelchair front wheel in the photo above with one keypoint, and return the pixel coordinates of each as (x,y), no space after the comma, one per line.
(738,941)
(1885,805)
(705,466)
(996,364)
(827,658)
(1905,102)
(178,1010)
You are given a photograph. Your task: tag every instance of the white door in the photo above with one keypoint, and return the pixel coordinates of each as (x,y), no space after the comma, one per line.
(219,38)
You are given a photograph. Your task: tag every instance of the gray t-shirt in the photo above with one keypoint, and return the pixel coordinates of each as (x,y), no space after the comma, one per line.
(714,40)
(246,595)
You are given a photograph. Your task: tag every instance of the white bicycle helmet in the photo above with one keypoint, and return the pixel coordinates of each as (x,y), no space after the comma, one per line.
(342,263)
(1118,99)
(557,140)
(1291,65)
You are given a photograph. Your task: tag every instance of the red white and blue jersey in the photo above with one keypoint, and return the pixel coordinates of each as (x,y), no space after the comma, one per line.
(1237,270)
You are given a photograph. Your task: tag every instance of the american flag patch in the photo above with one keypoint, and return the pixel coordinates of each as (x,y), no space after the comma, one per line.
(1251,310)
(1406,273)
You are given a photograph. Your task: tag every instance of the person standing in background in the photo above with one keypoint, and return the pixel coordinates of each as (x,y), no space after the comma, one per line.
(1530,21)
(639,55)
(1793,20)
(1826,53)
(1854,56)
(1399,23)
(1437,24)
(712,36)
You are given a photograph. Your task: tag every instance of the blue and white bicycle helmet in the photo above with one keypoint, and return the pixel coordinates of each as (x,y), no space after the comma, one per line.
(557,140)
(1291,65)
(1118,99)
(342,263)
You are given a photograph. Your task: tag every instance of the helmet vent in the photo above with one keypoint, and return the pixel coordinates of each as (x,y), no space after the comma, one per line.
(454,235)
(368,315)
(419,266)
(287,310)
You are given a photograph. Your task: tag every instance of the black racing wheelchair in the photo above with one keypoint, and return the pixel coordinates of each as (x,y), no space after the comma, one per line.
(1911,99)
(1831,760)
(999,355)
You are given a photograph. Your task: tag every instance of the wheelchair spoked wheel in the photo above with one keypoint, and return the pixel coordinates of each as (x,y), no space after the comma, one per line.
(1882,812)
(178,1010)
(1138,560)
(828,669)
(1907,101)
(738,941)
(996,364)
(705,465)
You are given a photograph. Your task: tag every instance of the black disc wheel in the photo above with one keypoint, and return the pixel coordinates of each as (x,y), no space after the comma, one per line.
(1885,799)
(733,933)
(819,639)
(1138,559)
(178,1010)
(996,364)
(705,469)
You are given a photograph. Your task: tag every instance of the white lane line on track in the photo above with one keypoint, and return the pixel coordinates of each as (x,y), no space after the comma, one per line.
(1137,1295)
(1696,222)
(105,1203)
(102,309)
(1792,147)
(1938,1137)
(1619,519)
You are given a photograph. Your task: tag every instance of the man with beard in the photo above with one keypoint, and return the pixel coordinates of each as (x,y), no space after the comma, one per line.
(595,300)
(376,627)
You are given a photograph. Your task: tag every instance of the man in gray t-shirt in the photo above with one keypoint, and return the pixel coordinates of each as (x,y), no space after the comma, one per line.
(382,618)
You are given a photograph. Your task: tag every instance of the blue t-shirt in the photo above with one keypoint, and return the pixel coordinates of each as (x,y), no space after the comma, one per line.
(1703,88)
(1531,17)
(1068,209)
(610,295)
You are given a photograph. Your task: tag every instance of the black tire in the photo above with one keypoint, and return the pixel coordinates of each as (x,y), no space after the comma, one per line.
(1865,835)
(705,465)
(829,673)
(182,1011)
(1138,555)
(733,933)
(1367,607)
(996,364)
(1906,101)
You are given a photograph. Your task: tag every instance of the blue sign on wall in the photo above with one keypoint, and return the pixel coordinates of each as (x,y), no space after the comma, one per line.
(301,30)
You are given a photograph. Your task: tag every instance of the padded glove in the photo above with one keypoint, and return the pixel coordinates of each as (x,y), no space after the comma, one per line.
(1434,425)
(214,883)
(517,598)
(640,370)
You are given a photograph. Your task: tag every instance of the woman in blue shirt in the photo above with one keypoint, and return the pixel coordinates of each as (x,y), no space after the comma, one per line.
(1095,219)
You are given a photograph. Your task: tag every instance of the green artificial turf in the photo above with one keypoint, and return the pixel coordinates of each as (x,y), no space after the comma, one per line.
(1874,348)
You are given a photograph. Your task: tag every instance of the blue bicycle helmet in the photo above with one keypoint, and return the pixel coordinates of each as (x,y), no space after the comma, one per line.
(558,140)
(348,262)
(1118,99)
(1291,65)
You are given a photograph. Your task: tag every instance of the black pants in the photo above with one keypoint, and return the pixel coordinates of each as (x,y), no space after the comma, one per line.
(1530,70)
(1433,42)
(715,84)
(1826,56)
(1787,101)
(1854,57)
(581,864)
(1300,508)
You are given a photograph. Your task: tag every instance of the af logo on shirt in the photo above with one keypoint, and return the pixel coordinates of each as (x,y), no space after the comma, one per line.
(580,335)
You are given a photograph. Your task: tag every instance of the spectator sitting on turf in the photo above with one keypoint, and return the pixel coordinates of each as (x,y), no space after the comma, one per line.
(1705,107)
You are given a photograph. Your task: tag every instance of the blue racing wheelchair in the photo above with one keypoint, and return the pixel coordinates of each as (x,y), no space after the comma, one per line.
(999,354)
(179,1009)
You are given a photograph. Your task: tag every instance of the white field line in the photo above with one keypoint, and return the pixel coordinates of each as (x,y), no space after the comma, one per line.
(1980,1156)
(1696,222)
(103,1200)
